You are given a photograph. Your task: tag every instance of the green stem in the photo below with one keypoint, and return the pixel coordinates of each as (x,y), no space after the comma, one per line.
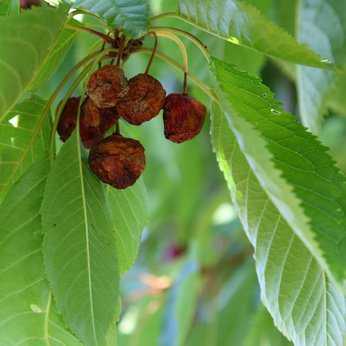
(179,67)
(195,40)
(153,51)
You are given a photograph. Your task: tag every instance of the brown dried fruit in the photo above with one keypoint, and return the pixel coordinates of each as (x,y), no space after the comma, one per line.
(94,122)
(117,161)
(107,85)
(68,118)
(143,101)
(183,117)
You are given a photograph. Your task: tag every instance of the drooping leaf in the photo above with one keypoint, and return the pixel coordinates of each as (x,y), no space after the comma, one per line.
(304,302)
(241,23)
(24,139)
(80,247)
(129,215)
(27,313)
(26,42)
(322,26)
(291,165)
(131,15)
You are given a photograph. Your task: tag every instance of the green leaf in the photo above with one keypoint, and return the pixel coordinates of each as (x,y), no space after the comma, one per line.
(322,26)
(129,213)
(291,165)
(130,15)
(27,315)
(24,139)
(26,42)
(304,302)
(80,247)
(240,23)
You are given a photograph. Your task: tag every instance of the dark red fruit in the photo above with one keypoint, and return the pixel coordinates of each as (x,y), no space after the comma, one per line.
(68,118)
(117,161)
(183,117)
(143,101)
(25,4)
(94,122)
(107,86)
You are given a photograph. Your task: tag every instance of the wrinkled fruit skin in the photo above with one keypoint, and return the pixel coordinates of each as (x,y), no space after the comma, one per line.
(117,161)
(68,118)
(94,122)
(183,117)
(144,100)
(107,86)
(26,4)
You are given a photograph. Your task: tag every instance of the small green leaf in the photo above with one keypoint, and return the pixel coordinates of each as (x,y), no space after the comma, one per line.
(129,214)
(291,165)
(24,139)
(80,247)
(304,302)
(131,15)
(25,47)
(241,23)
(27,313)
(322,26)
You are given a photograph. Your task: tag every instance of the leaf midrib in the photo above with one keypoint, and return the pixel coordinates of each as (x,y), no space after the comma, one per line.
(86,229)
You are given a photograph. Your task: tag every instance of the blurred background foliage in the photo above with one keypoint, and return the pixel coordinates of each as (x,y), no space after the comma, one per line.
(194,282)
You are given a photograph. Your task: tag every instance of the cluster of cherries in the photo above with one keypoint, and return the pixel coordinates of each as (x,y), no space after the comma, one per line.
(117,160)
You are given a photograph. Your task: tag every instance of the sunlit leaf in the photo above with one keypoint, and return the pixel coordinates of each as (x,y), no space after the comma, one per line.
(304,302)
(241,23)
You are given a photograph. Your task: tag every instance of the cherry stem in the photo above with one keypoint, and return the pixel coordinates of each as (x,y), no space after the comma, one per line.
(117,128)
(182,48)
(185,84)
(101,35)
(179,67)
(194,39)
(153,51)
(102,49)
(120,52)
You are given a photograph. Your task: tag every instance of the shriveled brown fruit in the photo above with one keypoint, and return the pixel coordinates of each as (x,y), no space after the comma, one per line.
(144,99)
(183,117)
(25,4)
(107,86)
(117,161)
(68,118)
(94,122)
